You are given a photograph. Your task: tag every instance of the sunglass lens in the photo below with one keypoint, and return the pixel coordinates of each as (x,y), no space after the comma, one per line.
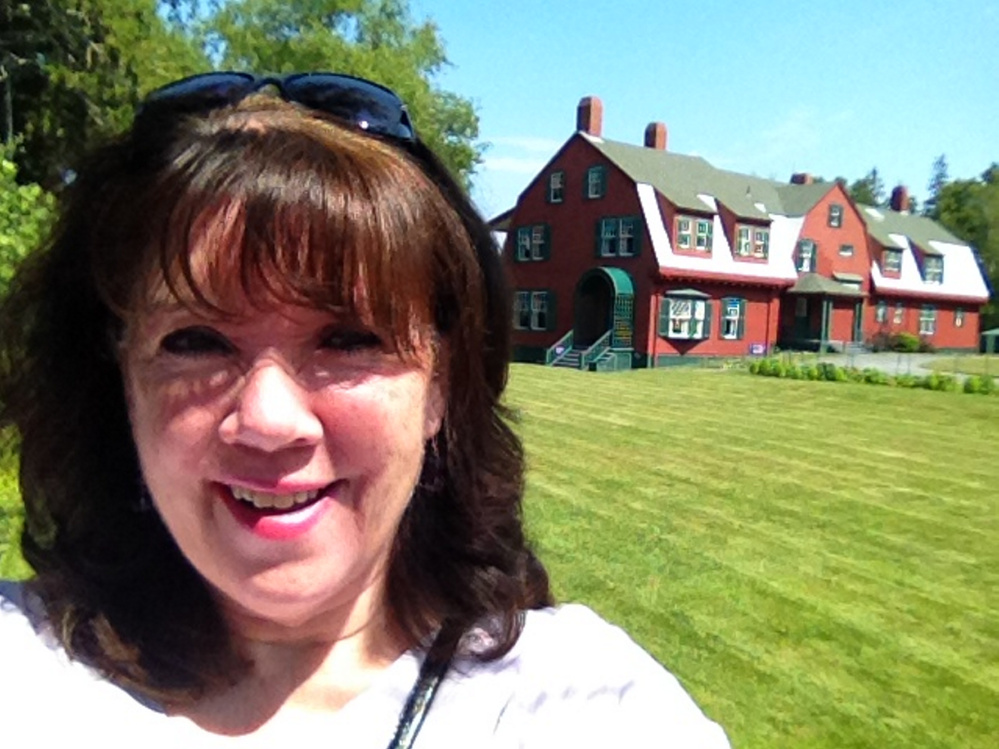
(209,89)
(363,104)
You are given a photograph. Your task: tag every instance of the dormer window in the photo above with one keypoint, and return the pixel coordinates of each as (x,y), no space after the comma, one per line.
(683,234)
(835,215)
(933,269)
(556,187)
(704,235)
(744,245)
(761,243)
(805,256)
(892,261)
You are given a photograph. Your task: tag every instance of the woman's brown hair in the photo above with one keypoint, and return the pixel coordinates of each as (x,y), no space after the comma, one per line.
(304,211)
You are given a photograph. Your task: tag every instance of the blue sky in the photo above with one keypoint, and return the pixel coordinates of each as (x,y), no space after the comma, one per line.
(767,87)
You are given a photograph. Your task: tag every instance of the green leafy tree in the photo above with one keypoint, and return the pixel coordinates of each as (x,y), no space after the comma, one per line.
(869,189)
(938,180)
(73,71)
(25,214)
(376,39)
(970,210)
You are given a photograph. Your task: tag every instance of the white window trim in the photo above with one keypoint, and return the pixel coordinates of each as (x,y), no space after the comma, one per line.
(538,242)
(556,187)
(522,310)
(933,267)
(732,305)
(806,260)
(744,242)
(959,317)
(896,265)
(683,229)
(846,254)
(881,312)
(523,244)
(898,315)
(835,219)
(617,236)
(687,325)
(761,243)
(539,306)
(705,236)
(593,180)
(927,320)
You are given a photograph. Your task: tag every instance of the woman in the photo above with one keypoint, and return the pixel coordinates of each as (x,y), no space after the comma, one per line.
(270,489)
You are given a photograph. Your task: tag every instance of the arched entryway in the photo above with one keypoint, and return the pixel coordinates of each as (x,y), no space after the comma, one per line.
(604,301)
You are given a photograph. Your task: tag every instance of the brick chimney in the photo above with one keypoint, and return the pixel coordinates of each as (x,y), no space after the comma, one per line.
(900,199)
(590,116)
(655,136)
(802,178)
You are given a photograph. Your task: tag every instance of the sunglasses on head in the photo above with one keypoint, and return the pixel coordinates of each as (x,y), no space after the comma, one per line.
(363,104)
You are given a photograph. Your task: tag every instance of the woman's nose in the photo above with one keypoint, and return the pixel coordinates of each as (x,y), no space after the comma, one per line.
(272,412)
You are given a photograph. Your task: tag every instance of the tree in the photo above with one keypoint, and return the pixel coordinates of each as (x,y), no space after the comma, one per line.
(25,213)
(375,39)
(970,210)
(869,189)
(74,71)
(938,180)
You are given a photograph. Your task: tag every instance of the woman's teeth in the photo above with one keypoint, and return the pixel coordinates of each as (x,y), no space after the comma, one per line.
(264,501)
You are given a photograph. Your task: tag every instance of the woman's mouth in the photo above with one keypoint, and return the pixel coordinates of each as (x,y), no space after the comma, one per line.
(268,501)
(278,517)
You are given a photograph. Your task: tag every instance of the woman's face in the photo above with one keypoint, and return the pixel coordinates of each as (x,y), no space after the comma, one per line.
(281,449)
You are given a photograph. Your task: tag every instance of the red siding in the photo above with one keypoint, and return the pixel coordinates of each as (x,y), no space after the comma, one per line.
(829,239)
(762,307)
(573,224)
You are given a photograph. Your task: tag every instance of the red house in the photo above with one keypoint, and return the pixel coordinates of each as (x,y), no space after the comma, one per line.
(627,256)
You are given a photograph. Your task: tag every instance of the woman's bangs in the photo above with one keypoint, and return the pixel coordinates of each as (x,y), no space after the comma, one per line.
(320,235)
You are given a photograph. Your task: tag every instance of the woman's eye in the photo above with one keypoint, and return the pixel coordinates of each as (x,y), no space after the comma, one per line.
(195,341)
(350,340)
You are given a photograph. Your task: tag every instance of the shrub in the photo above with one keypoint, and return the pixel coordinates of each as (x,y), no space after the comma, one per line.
(973,384)
(907,381)
(906,343)
(813,373)
(926,346)
(874,376)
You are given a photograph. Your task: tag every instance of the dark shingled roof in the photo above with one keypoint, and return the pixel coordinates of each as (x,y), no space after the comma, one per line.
(682,178)
(919,229)
(814,284)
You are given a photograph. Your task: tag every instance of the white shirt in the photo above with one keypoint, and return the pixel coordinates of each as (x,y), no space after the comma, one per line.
(572,680)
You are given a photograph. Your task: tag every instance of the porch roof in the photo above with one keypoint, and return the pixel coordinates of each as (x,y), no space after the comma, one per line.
(812,284)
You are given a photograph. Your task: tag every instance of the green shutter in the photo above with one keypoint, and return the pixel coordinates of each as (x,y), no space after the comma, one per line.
(546,248)
(550,301)
(639,231)
(663,315)
(742,319)
(707,319)
(602,171)
(600,233)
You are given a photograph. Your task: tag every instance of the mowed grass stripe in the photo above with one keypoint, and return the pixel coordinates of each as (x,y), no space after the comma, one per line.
(804,604)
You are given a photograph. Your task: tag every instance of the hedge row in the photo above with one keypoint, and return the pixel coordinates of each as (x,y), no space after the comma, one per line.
(829,372)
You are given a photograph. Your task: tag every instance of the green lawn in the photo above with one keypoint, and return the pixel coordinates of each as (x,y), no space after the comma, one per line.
(970,365)
(817,562)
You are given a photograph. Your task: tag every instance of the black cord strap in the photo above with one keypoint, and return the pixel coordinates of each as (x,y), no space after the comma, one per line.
(418,702)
